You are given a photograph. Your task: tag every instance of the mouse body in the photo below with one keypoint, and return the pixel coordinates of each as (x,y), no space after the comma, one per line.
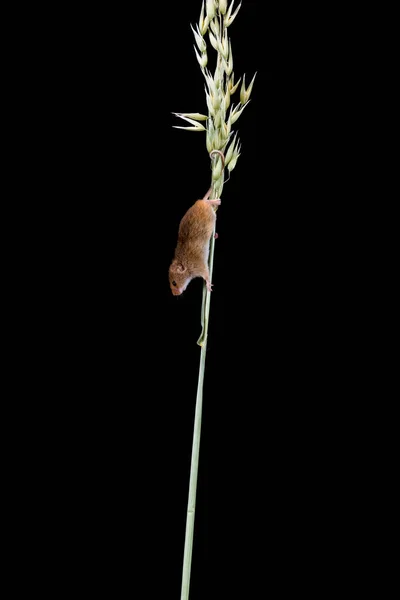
(192,250)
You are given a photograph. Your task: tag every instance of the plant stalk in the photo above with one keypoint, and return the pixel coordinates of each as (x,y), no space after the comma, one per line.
(222,114)
(194,467)
(187,554)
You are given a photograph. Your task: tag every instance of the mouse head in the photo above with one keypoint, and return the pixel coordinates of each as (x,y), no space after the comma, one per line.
(178,278)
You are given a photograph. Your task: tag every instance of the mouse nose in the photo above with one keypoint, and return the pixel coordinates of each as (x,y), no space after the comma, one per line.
(176,292)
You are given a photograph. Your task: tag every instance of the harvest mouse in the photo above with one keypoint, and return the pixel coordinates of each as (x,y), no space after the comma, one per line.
(192,250)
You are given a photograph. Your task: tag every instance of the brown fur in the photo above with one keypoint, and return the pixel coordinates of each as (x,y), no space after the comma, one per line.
(191,253)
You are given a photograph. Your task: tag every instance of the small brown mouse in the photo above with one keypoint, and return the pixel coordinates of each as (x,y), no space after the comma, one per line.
(192,250)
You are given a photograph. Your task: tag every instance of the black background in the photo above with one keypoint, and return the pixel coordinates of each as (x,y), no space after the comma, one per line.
(122,350)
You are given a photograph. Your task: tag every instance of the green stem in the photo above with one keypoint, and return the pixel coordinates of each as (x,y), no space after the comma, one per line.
(194,467)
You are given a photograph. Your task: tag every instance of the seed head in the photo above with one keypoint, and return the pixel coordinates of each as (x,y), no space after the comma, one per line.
(228,19)
(210,8)
(245,94)
(201,59)
(200,41)
(203,22)
(229,153)
(222,5)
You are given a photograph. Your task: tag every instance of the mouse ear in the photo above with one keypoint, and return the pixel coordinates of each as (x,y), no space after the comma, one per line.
(180,268)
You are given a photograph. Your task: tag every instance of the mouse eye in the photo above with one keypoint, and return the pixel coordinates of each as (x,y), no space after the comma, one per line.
(174,283)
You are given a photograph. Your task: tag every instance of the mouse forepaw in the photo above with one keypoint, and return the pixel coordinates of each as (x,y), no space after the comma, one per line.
(209,285)
(216,201)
